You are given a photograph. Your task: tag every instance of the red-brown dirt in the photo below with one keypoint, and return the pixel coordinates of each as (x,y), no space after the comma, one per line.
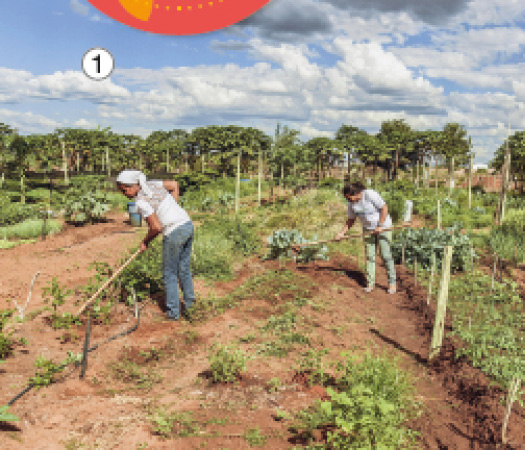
(111,407)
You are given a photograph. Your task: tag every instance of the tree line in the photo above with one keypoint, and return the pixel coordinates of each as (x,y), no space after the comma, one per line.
(395,147)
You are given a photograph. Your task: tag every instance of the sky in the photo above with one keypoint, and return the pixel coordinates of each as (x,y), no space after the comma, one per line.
(312,65)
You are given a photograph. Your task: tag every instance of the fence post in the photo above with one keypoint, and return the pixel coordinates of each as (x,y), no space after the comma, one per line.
(431,281)
(439,215)
(513,390)
(441,308)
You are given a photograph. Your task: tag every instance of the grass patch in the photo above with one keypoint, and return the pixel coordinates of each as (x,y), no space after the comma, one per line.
(30,228)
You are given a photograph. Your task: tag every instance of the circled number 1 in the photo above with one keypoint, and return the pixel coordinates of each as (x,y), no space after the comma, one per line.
(98,63)
(97,59)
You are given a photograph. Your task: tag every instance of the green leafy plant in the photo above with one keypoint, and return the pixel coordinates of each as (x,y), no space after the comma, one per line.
(84,201)
(46,371)
(6,343)
(421,243)
(281,241)
(226,363)
(311,362)
(6,416)
(254,437)
(55,294)
(368,408)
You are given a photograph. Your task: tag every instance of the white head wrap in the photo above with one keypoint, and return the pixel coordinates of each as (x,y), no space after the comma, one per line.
(135,177)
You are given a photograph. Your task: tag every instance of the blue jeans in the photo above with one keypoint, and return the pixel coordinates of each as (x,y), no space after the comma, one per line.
(176,254)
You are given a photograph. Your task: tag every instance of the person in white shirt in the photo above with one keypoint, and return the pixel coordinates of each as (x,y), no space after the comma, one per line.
(372,210)
(156,201)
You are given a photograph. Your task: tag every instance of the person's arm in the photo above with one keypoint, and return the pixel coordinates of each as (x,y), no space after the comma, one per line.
(155,228)
(349,223)
(172,187)
(383,213)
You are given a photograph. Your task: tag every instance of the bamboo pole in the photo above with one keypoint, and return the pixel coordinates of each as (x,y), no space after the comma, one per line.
(64,162)
(513,390)
(238,182)
(504,182)
(451,177)
(441,308)
(436,173)
(470,183)
(260,178)
(415,270)
(439,215)
(108,162)
(431,281)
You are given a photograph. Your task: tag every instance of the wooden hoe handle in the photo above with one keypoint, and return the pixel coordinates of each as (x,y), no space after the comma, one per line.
(350,236)
(106,284)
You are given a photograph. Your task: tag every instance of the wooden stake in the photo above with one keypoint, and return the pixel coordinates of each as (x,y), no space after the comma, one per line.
(107,283)
(439,215)
(415,270)
(470,183)
(431,281)
(513,390)
(403,255)
(504,182)
(441,308)
(238,182)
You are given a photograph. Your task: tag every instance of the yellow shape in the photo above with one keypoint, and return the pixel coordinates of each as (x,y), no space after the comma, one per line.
(139,9)
(179,8)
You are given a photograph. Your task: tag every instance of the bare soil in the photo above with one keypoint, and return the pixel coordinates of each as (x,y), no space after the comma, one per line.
(111,408)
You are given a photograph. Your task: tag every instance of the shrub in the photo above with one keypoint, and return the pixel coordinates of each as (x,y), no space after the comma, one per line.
(6,343)
(421,243)
(226,363)
(368,409)
(508,239)
(281,241)
(84,201)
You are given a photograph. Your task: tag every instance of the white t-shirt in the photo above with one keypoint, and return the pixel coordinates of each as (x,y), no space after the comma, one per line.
(368,210)
(169,212)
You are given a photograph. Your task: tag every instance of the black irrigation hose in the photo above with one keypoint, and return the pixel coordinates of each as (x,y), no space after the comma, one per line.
(58,369)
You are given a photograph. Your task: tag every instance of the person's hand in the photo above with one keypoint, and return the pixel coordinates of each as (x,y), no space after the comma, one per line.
(339,236)
(378,230)
(143,247)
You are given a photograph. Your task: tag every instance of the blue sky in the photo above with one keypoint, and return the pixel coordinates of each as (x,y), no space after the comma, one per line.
(309,64)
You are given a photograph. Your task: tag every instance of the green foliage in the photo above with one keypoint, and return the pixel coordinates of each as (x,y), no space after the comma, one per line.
(226,363)
(281,241)
(490,322)
(508,239)
(241,234)
(84,201)
(395,201)
(254,437)
(12,211)
(47,369)
(55,294)
(30,228)
(368,409)
(167,424)
(311,362)
(130,372)
(331,183)
(143,274)
(5,416)
(283,333)
(212,256)
(6,343)
(422,242)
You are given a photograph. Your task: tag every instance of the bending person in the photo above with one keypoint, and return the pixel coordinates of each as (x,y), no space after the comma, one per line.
(164,215)
(372,210)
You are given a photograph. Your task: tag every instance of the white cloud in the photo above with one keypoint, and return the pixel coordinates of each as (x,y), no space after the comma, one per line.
(79,7)
(19,86)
